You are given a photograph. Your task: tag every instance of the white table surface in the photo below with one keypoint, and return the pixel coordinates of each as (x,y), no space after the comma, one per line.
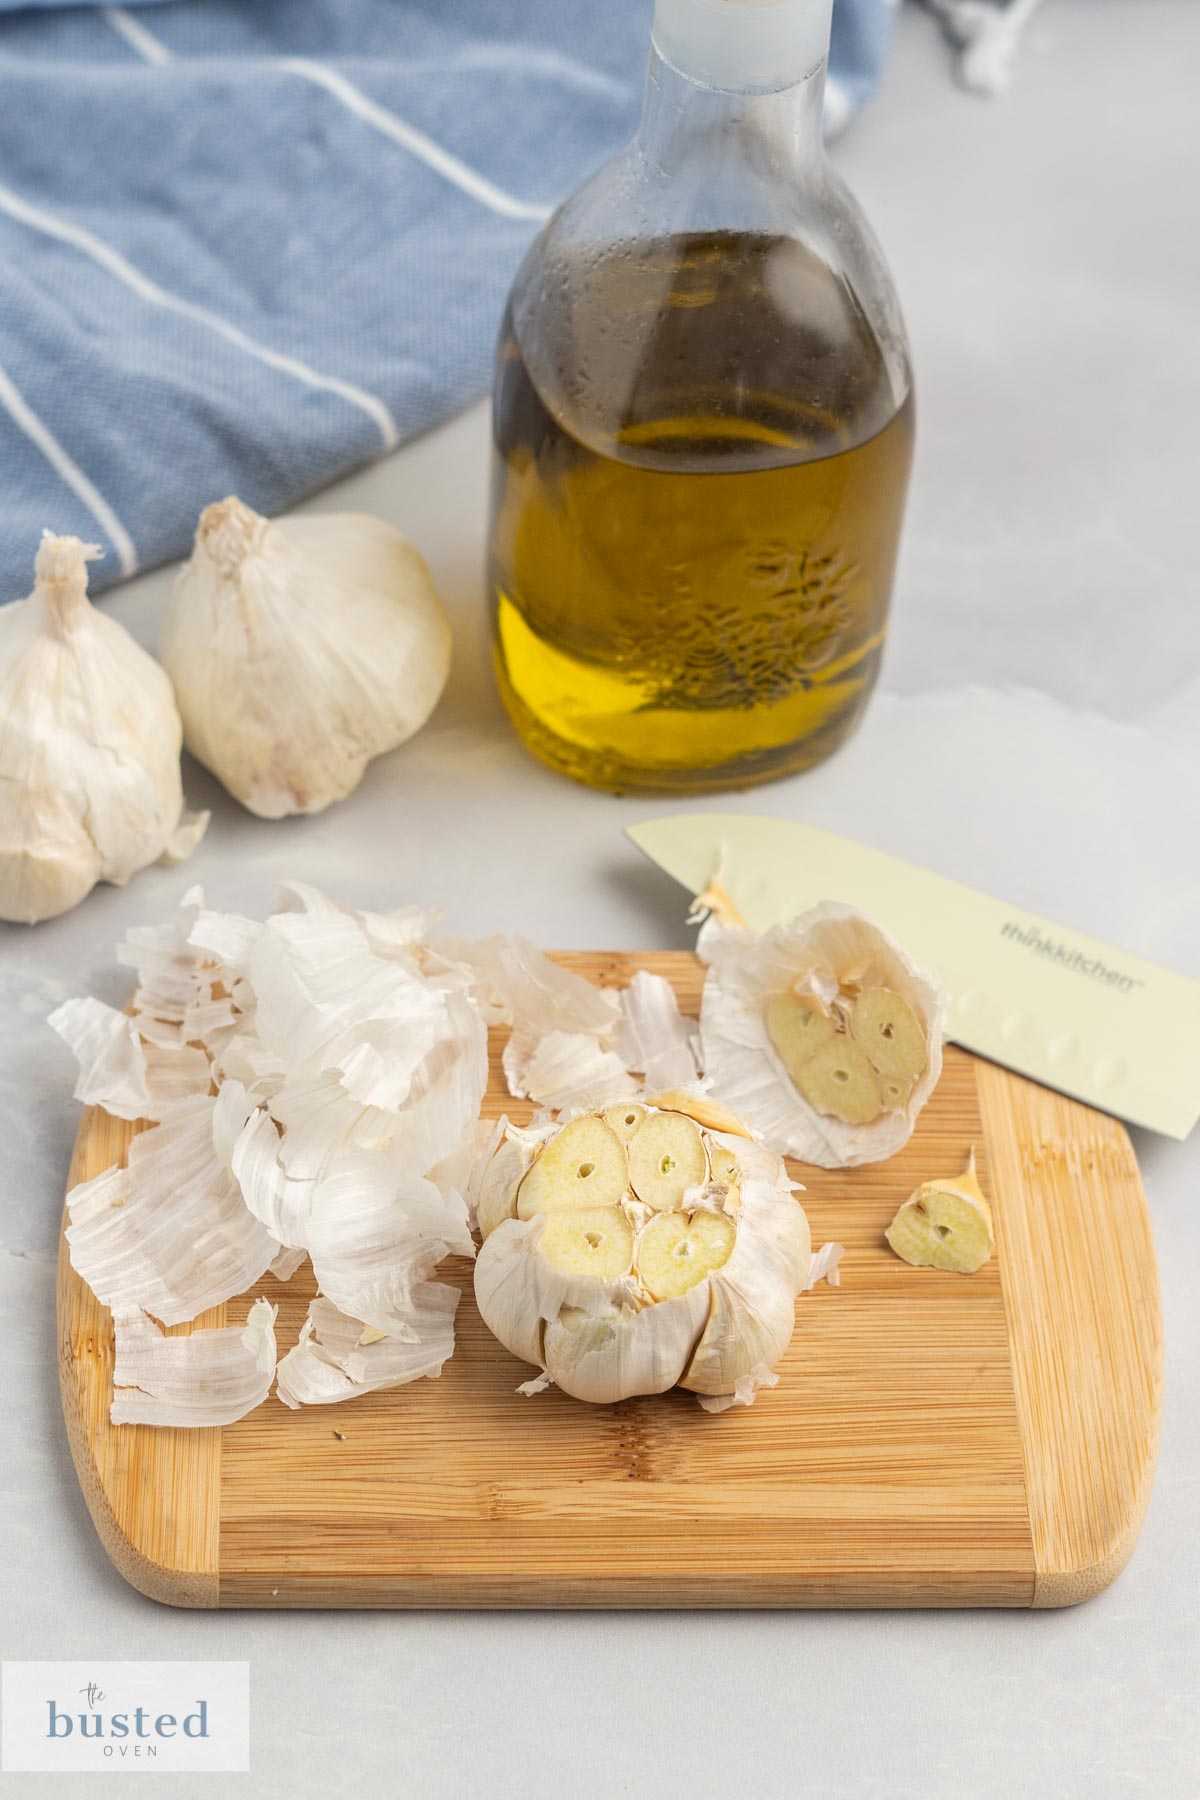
(1037,733)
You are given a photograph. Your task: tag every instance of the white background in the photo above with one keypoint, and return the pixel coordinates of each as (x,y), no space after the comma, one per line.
(1037,734)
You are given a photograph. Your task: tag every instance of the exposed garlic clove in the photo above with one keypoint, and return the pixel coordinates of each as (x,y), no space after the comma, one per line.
(89,746)
(890,1032)
(706,1112)
(583,1166)
(895,1092)
(588,1240)
(798,1027)
(300,649)
(666,1158)
(678,1249)
(625,1120)
(945,1225)
(840,1081)
(723,1163)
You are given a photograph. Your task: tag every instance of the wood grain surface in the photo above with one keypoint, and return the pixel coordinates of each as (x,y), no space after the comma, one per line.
(935,1439)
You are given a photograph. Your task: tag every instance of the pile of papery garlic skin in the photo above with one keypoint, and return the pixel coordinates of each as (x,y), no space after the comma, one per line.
(316,1081)
(317,1094)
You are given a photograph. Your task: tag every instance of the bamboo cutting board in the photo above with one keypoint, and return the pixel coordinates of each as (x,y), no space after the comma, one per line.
(935,1439)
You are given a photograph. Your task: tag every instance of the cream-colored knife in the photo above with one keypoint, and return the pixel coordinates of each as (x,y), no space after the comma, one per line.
(1062,1008)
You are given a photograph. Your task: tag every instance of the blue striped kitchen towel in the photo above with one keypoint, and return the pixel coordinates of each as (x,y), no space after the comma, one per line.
(246,245)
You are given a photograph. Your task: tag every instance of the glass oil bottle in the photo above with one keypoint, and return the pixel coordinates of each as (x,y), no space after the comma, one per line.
(703,431)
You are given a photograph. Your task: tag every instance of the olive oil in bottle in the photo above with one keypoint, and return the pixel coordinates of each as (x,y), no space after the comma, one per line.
(702,436)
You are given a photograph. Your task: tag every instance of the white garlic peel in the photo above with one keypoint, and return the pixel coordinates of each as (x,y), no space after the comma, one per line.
(822,1034)
(210,1378)
(562,1049)
(300,649)
(634,1249)
(90,735)
(344,1130)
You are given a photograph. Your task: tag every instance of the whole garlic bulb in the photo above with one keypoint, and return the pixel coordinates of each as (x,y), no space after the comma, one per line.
(300,649)
(638,1248)
(90,736)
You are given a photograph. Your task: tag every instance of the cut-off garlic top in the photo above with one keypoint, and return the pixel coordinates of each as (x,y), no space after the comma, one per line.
(822,1033)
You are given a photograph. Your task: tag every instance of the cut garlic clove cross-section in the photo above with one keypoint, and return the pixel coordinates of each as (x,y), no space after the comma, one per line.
(840,1081)
(724,1164)
(666,1158)
(626,1120)
(798,1028)
(678,1249)
(583,1166)
(890,1032)
(588,1240)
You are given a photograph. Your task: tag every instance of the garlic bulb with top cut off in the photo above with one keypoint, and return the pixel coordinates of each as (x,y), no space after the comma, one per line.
(301,648)
(89,747)
(641,1247)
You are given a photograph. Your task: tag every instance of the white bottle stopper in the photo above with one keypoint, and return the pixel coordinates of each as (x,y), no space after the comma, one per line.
(759,45)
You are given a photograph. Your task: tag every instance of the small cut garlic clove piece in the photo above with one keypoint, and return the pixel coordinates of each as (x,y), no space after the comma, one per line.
(840,1081)
(583,1166)
(945,1225)
(723,1163)
(798,1027)
(890,1032)
(588,1240)
(895,1092)
(678,1249)
(666,1158)
(626,1120)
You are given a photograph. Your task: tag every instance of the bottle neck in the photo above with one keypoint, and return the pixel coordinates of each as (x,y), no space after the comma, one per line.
(746,78)
(747,46)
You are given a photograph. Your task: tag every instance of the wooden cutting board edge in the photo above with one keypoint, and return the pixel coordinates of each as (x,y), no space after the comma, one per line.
(1089,1399)
(1089,1396)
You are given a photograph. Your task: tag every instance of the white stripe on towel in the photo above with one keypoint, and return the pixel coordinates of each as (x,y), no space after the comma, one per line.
(40,434)
(135,34)
(115,263)
(153,50)
(400,132)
